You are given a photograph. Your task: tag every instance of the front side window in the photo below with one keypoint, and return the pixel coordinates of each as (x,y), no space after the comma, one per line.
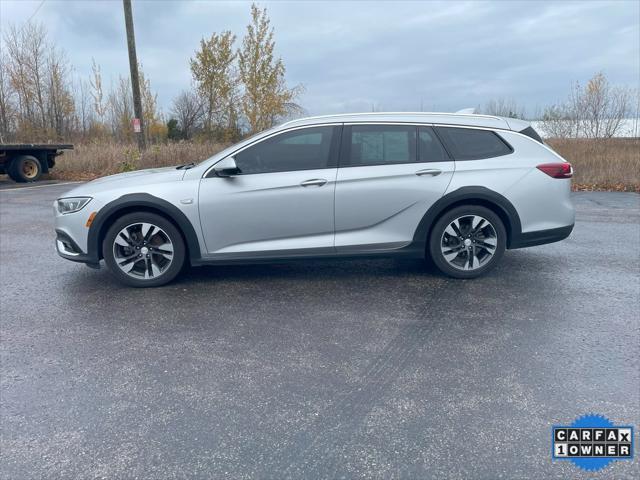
(473,144)
(380,145)
(304,149)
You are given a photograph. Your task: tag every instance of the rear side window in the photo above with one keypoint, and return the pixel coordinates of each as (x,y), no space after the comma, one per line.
(473,144)
(379,145)
(429,147)
(304,149)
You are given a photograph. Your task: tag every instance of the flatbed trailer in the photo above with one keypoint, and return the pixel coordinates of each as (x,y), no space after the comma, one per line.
(26,162)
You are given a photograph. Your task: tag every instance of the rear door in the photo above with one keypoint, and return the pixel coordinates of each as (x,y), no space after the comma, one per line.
(282,201)
(389,175)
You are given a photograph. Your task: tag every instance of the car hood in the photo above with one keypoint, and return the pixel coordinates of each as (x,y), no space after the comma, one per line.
(129,179)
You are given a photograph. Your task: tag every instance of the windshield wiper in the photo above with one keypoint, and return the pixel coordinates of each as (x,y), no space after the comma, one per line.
(186,166)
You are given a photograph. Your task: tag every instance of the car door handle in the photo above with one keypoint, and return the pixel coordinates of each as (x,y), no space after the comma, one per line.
(434,172)
(314,182)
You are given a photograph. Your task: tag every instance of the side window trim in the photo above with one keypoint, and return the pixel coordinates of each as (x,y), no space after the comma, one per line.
(336,142)
(345,146)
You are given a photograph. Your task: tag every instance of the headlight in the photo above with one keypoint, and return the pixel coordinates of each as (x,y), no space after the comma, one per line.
(73,204)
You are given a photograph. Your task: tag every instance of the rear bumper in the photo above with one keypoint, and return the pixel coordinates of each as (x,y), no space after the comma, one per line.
(531,239)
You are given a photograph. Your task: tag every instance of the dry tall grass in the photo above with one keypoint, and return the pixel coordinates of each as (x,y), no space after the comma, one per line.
(88,161)
(603,164)
(612,164)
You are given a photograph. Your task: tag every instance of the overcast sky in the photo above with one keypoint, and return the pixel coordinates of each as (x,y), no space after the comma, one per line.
(351,56)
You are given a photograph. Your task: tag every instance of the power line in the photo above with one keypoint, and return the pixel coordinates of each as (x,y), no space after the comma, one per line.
(31,17)
(36,11)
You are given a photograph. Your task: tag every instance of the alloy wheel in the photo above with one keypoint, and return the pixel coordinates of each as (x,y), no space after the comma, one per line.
(469,242)
(143,250)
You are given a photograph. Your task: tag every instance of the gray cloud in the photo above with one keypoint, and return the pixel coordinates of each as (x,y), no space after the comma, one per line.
(354,55)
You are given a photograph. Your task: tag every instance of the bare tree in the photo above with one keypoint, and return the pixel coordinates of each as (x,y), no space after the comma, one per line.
(188,111)
(557,122)
(30,41)
(39,78)
(120,106)
(7,107)
(503,107)
(19,78)
(597,110)
(33,40)
(600,108)
(84,110)
(60,101)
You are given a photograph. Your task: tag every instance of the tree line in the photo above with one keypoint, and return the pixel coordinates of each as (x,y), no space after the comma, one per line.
(235,91)
(596,109)
(237,88)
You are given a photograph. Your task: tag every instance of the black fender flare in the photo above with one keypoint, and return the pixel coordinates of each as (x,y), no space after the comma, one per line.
(475,195)
(145,202)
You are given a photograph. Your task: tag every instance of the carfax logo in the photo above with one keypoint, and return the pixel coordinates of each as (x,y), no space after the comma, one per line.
(592,442)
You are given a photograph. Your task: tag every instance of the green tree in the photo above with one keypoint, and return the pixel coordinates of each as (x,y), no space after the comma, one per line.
(173,131)
(215,75)
(266,97)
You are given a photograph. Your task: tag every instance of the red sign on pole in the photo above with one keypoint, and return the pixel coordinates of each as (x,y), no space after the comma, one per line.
(136,125)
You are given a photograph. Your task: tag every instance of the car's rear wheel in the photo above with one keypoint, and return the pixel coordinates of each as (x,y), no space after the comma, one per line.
(143,250)
(467,241)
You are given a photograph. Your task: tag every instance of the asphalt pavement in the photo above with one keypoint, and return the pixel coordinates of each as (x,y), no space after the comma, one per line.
(333,369)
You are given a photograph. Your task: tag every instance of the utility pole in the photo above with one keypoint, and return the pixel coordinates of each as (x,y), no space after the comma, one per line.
(135,81)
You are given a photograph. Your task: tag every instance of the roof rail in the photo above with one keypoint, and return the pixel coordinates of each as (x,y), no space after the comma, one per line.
(391,113)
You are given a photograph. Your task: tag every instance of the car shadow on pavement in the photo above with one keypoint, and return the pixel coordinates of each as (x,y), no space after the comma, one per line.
(326,281)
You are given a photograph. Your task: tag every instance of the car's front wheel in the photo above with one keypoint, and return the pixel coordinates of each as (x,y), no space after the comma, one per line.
(143,250)
(467,241)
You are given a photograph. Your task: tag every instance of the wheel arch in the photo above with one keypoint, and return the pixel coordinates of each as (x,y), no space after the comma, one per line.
(472,195)
(140,202)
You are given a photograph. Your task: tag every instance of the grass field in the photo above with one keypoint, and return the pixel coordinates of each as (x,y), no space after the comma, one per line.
(612,164)
(607,164)
(89,161)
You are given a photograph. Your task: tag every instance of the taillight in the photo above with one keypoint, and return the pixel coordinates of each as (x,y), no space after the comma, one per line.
(557,170)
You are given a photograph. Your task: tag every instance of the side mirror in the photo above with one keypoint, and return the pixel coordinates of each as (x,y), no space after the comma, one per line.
(226,168)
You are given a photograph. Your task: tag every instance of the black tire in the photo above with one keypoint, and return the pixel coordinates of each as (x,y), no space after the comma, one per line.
(25,168)
(464,212)
(172,269)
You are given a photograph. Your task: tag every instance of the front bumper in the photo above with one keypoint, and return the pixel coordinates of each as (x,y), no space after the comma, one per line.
(68,249)
(72,234)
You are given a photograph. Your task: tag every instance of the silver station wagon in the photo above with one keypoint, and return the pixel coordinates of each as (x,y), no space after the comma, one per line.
(456,188)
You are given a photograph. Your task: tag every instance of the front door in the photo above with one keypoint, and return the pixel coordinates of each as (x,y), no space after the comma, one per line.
(282,201)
